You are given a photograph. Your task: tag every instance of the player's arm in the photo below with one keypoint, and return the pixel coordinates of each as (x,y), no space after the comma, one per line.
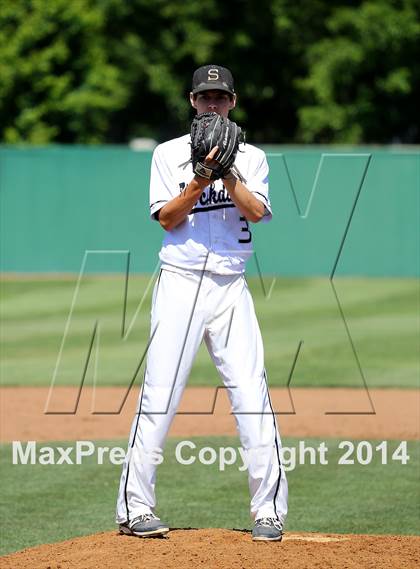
(176,210)
(250,207)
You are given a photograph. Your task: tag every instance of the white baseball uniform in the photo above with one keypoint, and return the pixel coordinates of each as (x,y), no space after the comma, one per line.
(201,293)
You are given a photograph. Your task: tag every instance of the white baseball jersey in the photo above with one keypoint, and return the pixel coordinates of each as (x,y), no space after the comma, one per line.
(215,229)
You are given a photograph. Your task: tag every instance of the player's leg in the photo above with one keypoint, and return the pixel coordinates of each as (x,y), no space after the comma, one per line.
(176,330)
(234,341)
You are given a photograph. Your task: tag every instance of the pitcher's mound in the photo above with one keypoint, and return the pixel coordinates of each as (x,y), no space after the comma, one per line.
(220,549)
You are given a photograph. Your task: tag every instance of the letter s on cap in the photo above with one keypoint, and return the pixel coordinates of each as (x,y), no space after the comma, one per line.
(213,75)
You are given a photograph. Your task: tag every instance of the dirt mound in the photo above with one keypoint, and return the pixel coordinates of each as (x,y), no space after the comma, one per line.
(220,549)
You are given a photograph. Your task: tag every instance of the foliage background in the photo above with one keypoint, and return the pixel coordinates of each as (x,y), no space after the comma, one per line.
(105,71)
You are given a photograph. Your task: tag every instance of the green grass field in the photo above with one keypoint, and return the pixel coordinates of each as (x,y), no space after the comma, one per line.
(381,316)
(55,502)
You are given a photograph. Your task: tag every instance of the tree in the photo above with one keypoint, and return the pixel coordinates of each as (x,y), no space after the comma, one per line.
(58,80)
(96,70)
(166,40)
(363,80)
(88,71)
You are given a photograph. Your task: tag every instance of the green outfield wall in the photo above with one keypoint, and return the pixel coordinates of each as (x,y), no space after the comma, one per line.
(337,211)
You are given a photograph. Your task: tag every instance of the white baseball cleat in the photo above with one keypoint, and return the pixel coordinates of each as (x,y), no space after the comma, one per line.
(267,529)
(147,525)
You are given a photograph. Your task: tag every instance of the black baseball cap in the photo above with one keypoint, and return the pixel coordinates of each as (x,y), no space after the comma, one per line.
(212,77)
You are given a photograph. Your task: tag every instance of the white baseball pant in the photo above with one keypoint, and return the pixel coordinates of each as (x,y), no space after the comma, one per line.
(186,308)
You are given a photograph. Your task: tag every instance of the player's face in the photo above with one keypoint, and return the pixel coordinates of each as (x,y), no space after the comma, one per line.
(213,101)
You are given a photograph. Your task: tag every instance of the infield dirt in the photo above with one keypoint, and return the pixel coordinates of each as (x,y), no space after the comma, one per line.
(384,414)
(303,412)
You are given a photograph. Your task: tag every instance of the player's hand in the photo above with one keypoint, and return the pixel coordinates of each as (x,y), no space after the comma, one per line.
(208,129)
(210,156)
(211,162)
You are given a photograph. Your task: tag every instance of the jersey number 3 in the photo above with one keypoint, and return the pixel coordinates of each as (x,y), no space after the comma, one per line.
(245,229)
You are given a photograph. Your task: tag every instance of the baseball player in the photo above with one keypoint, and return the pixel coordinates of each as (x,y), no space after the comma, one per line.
(201,293)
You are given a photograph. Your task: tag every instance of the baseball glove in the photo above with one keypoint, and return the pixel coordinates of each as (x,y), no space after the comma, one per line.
(207,131)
